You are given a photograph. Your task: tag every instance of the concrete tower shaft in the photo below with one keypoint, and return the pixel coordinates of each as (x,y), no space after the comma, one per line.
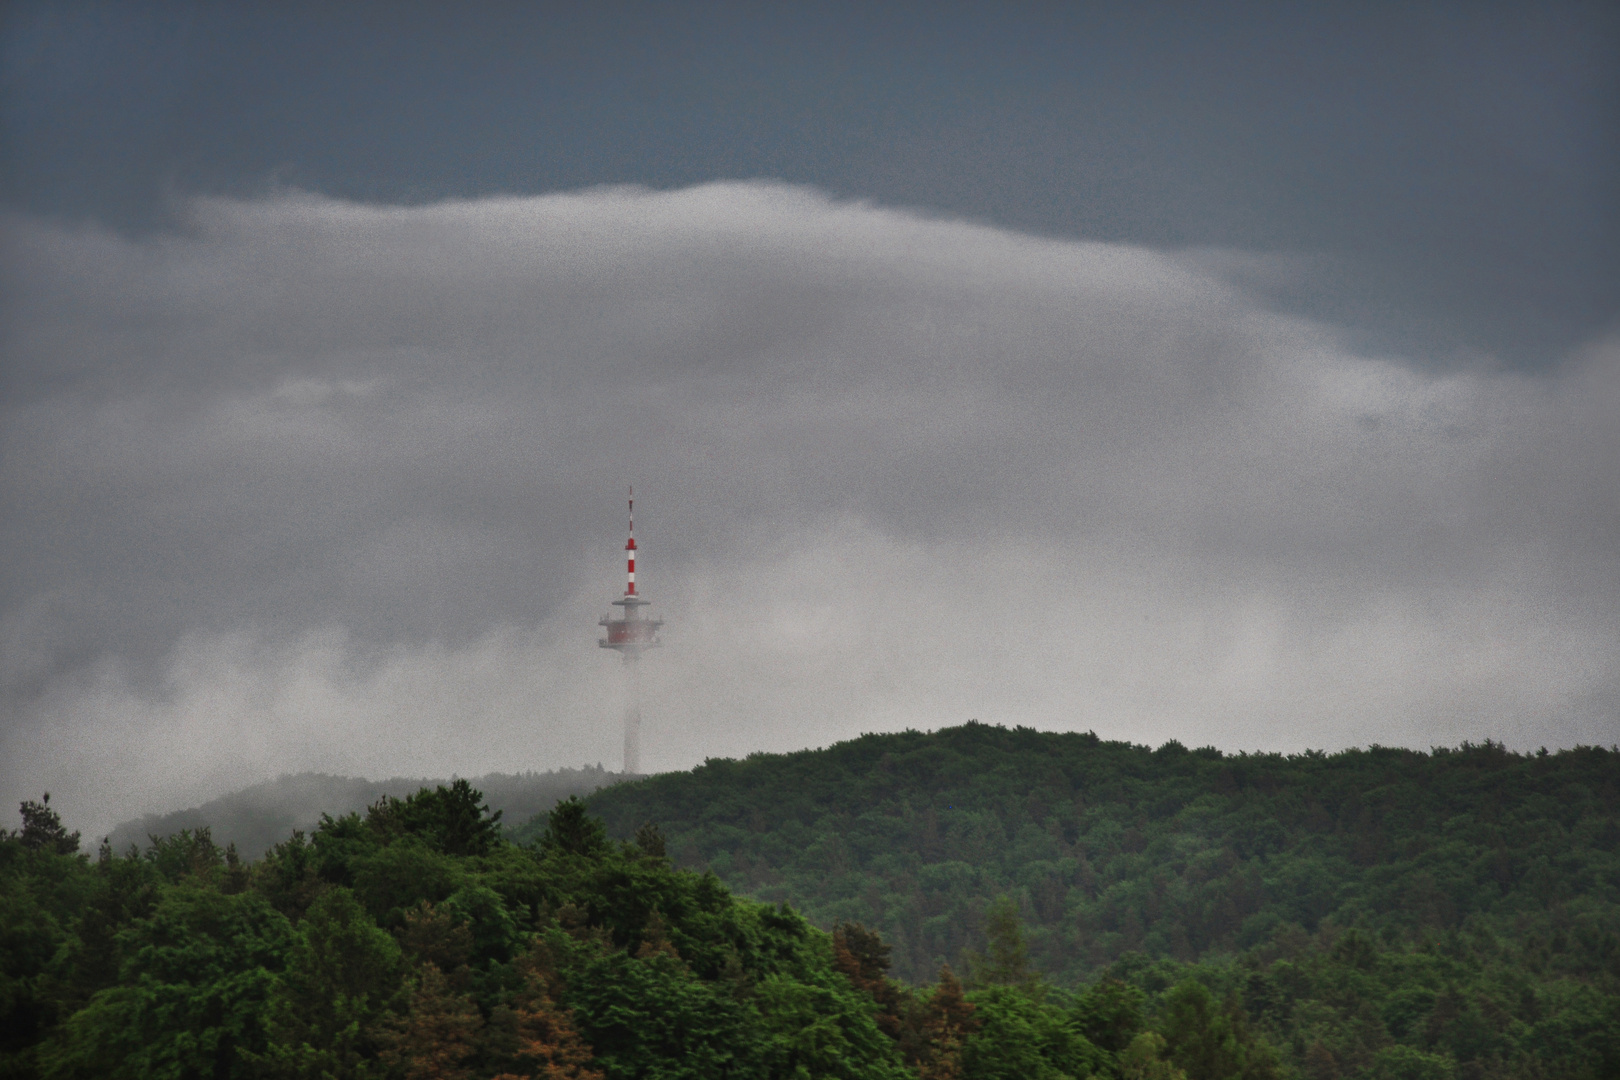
(631,634)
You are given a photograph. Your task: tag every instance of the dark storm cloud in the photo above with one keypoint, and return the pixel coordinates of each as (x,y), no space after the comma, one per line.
(315,484)
(1444,172)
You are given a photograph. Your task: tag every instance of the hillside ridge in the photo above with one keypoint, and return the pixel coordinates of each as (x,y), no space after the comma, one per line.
(255,818)
(1112,848)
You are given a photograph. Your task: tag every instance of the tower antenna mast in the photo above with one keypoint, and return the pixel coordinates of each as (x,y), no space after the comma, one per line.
(631,634)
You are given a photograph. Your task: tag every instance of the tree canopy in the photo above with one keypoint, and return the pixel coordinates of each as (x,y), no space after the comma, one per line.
(1364,916)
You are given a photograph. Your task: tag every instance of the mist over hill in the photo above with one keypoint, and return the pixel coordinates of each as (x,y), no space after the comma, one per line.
(257,817)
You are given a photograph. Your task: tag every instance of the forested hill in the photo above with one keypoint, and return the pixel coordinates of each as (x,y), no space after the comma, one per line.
(265,814)
(1112,849)
(1380,915)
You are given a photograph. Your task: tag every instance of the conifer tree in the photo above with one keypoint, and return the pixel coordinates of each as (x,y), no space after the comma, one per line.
(1210,1040)
(1144,1059)
(535,1039)
(438,1039)
(863,957)
(42,829)
(933,1042)
(1005,961)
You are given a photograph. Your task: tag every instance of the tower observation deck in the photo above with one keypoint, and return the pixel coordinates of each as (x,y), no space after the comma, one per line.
(631,634)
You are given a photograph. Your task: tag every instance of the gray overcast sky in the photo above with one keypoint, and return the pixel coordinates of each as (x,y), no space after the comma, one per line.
(1446,171)
(1243,374)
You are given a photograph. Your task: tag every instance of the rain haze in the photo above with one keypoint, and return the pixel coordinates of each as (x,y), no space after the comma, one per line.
(1238,375)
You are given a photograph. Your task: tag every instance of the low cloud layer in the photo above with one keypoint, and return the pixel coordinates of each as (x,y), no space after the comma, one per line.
(322,485)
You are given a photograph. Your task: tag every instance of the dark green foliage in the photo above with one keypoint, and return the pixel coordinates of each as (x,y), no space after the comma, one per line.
(1110,1014)
(1109,848)
(1333,898)
(185,854)
(1005,961)
(1021,1037)
(1330,1009)
(191,992)
(650,839)
(389,880)
(42,829)
(658,1016)
(449,819)
(570,830)
(1209,1040)
(1145,1059)
(415,942)
(342,973)
(1126,914)
(1407,1063)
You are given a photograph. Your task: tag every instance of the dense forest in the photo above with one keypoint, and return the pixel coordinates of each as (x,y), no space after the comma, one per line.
(1478,890)
(976,903)
(1111,848)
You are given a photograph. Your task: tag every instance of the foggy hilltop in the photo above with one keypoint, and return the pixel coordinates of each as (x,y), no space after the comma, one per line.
(258,817)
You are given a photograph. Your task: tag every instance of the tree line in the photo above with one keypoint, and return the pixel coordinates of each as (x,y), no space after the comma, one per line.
(416,941)
(1463,903)
(422,938)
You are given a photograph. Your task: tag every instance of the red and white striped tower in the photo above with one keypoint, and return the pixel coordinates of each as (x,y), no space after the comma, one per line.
(631,634)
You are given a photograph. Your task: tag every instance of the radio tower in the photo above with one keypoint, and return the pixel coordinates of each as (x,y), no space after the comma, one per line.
(631,634)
